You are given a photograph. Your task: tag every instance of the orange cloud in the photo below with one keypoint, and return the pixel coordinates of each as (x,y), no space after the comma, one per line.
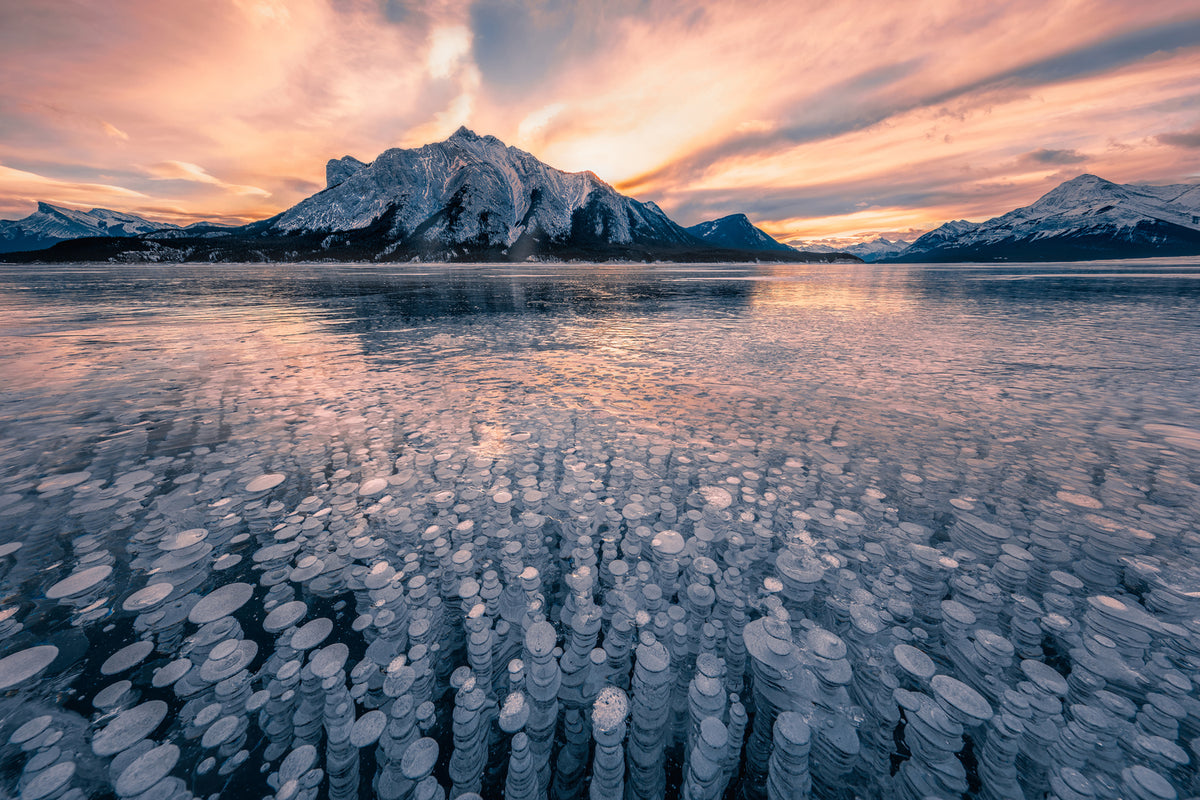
(185,171)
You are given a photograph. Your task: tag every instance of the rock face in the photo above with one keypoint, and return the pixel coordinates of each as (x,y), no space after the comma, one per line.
(472,192)
(50,225)
(738,232)
(1086,217)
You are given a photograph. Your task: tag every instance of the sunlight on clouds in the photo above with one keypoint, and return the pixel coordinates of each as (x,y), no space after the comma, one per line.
(534,124)
(448,47)
(264,12)
(114,131)
(448,60)
(755,126)
(454,115)
(864,225)
(185,171)
(29,186)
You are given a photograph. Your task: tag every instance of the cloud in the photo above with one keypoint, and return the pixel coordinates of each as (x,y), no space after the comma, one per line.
(535,122)
(834,199)
(301,186)
(1186,139)
(514,47)
(1118,50)
(1053,157)
(114,131)
(519,44)
(264,13)
(20,189)
(856,103)
(448,47)
(397,12)
(185,171)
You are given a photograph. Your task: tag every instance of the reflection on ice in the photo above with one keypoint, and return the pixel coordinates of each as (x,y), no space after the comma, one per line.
(774,532)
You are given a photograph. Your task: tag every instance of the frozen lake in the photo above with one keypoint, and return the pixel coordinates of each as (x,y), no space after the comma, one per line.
(326,531)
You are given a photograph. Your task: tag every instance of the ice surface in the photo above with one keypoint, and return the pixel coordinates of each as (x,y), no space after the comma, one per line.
(618,531)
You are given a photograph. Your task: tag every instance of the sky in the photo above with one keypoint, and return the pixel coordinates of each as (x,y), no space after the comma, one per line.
(820,121)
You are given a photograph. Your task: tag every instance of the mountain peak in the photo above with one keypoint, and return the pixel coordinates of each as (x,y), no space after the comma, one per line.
(45,208)
(1082,188)
(1088,179)
(338,169)
(464,132)
(738,232)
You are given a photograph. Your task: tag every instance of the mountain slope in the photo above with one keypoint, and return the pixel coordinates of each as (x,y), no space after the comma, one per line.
(1086,217)
(49,225)
(738,232)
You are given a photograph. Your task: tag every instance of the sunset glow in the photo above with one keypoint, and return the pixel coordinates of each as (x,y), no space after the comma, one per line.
(817,120)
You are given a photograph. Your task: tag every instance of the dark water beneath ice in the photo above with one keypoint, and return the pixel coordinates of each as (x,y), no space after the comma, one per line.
(829,412)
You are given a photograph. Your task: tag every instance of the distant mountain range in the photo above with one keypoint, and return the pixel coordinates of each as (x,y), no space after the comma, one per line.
(50,225)
(469,198)
(1085,218)
(875,250)
(472,198)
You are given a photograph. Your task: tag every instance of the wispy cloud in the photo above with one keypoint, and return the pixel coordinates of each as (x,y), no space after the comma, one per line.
(1048,156)
(1187,139)
(185,171)
(862,105)
(22,190)
(114,131)
(31,183)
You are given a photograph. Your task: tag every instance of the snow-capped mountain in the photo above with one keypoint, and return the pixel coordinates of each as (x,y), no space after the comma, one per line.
(738,232)
(877,249)
(1086,217)
(52,224)
(874,250)
(472,193)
